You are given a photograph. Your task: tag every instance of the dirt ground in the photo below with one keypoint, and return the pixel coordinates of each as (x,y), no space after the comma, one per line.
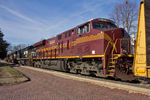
(47,86)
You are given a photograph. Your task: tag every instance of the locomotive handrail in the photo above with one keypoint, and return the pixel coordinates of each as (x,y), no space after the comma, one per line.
(105,53)
(114,48)
(107,47)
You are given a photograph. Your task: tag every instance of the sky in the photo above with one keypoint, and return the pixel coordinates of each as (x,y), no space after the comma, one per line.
(29,21)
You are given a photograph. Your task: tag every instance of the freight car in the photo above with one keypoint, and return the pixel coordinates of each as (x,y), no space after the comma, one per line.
(25,57)
(22,56)
(97,47)
(12,58)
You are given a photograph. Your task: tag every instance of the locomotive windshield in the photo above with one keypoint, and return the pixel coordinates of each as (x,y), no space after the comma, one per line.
(103,26)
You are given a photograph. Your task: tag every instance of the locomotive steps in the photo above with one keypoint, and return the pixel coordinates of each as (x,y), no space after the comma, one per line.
(111,85)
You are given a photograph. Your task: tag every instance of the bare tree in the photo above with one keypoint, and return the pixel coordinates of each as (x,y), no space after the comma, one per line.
(19,47)
(125,15)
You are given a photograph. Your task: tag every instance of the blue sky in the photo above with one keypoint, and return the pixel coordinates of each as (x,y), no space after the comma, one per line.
(28,21)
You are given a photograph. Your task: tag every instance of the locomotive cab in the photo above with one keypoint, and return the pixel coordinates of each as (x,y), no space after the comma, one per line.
(103,25)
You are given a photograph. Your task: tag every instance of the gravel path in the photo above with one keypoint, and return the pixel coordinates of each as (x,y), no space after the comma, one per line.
(44,86)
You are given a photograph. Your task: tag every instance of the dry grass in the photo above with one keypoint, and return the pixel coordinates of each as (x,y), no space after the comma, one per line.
(10,70)
(13,72)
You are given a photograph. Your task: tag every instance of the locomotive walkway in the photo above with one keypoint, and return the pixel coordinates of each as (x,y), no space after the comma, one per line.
(49,85)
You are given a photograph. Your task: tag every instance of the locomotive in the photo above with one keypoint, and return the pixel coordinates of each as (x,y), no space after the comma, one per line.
(97,47)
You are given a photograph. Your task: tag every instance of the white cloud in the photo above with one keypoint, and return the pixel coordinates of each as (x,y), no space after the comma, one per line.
(17,14)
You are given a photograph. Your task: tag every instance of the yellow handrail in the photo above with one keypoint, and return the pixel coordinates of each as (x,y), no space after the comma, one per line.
(105,53)
(107,47)
(114,48)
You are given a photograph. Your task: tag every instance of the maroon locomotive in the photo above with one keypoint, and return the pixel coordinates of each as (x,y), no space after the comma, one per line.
(97,47)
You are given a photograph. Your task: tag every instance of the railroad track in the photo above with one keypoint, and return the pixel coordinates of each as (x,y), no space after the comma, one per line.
(135,87)
(108,79)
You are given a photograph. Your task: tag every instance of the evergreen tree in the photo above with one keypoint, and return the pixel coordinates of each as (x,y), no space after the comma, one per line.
(3,46)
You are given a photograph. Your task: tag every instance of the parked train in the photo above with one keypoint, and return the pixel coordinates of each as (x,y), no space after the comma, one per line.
(97,47)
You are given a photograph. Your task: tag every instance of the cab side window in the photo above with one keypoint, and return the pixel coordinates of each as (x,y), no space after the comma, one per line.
(68,44)
(59,37)
(84,29)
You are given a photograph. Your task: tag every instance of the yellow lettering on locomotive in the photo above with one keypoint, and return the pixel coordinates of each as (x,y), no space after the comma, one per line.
(89,38)
(52,42)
